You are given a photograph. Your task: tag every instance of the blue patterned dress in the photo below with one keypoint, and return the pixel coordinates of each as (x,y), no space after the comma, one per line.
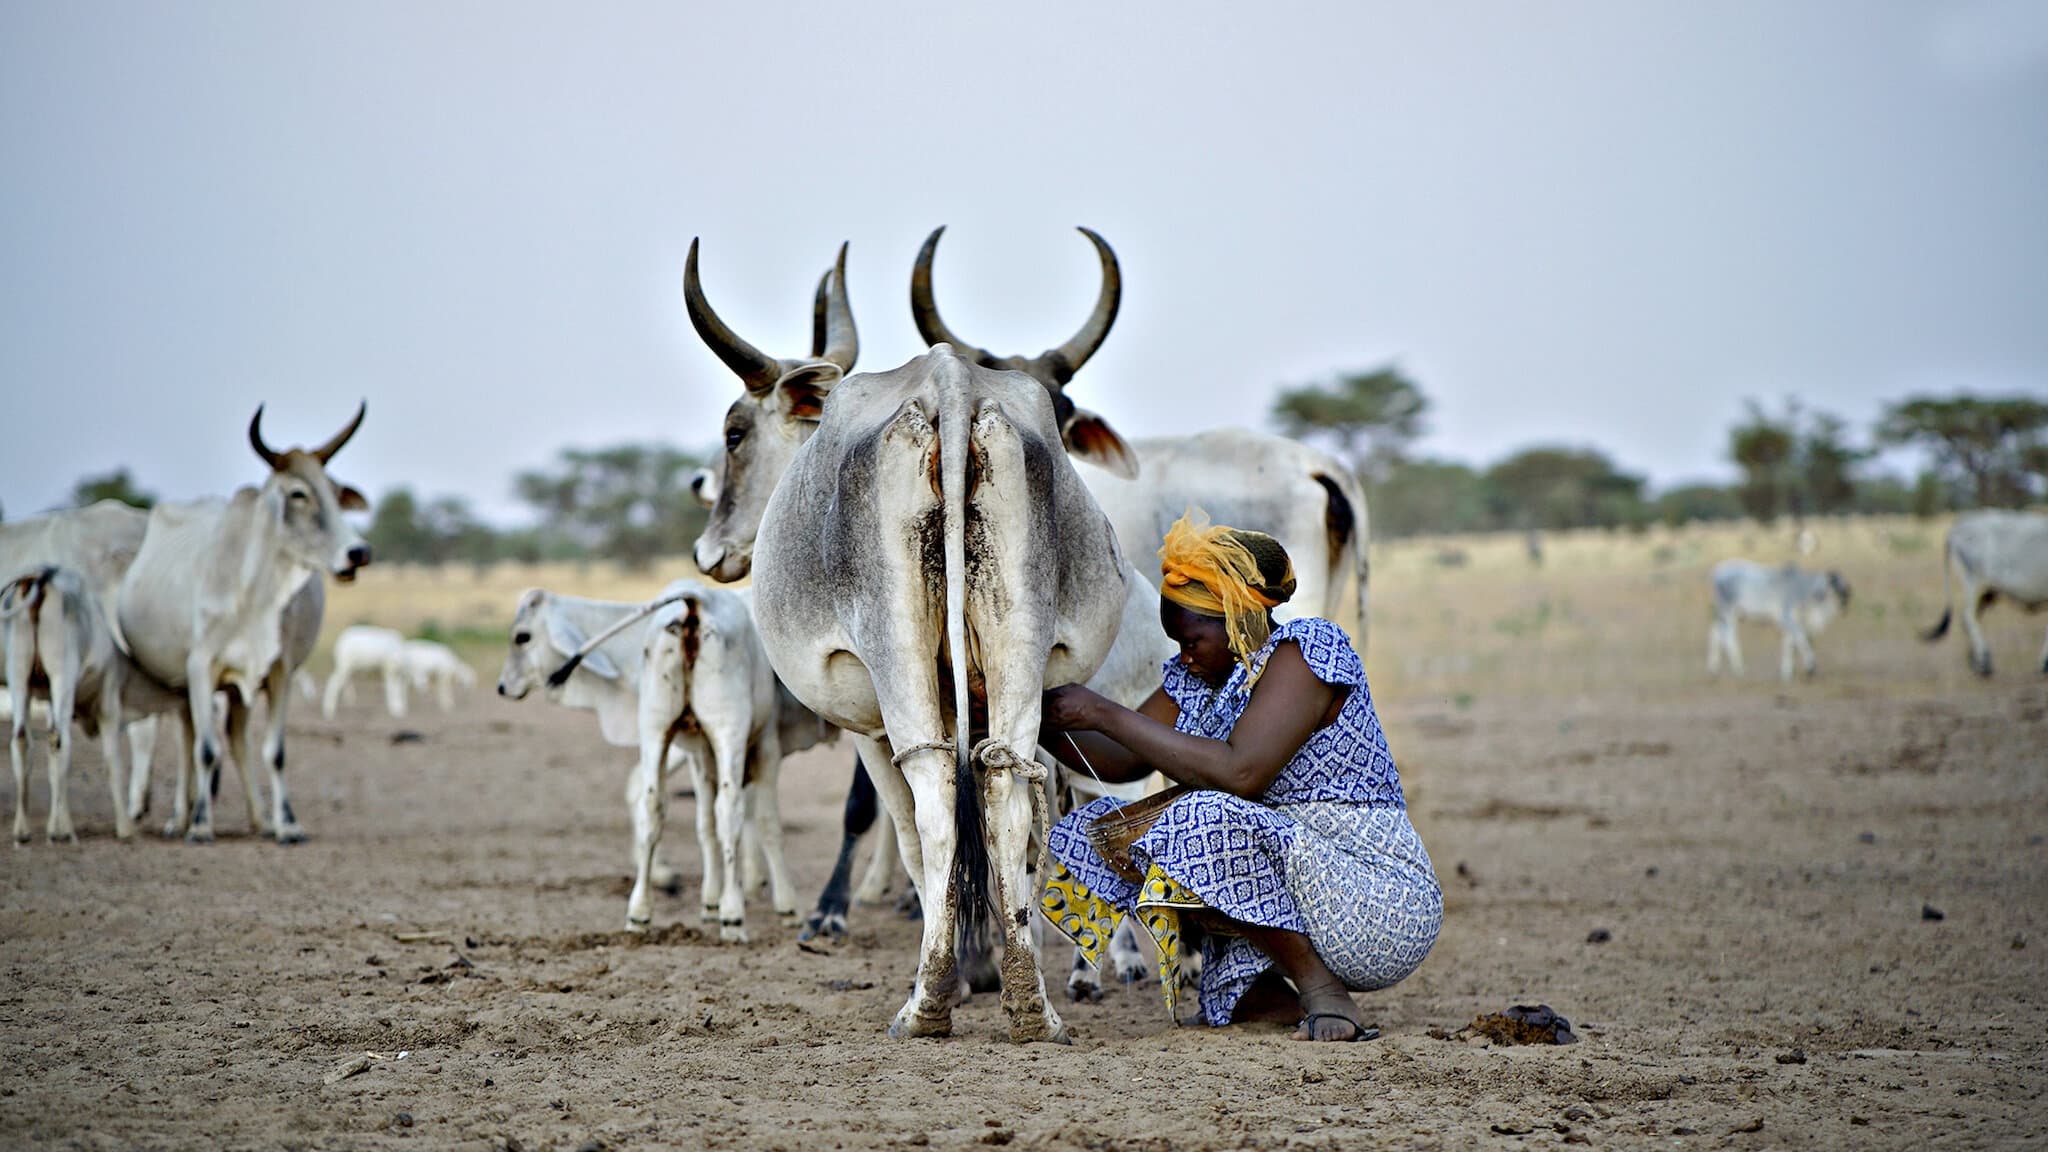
(1327,851)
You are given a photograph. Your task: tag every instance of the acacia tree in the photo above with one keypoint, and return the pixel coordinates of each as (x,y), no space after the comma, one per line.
(629,502)
(1370,418)
(1995,448)
(1763,448)
(1556,488)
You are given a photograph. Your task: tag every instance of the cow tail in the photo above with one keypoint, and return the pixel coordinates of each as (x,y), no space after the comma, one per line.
(560,676)
(1345,535)
(970,879)
(25,593)
(1948,563)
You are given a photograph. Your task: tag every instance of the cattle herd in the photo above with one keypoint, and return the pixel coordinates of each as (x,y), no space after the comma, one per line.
(929,548)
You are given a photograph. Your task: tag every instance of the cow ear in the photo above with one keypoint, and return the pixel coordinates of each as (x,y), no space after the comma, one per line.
(1089,437)
(802,391)
(350,499)
(566,638)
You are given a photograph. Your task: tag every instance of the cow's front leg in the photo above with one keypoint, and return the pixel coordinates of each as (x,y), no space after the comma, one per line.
(181,782)
(241,711)
(883,862)
(114,747)
(206,747)
(283,821)
(650,810)
(142,755)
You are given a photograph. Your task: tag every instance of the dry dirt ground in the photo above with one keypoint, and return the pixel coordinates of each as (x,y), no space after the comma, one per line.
(1765,863)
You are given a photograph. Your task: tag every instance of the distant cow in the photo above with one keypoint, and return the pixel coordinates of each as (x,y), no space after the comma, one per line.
(58,646)
(1994,554)
(367,648)
(202,607)
(430,664)
(1797,602)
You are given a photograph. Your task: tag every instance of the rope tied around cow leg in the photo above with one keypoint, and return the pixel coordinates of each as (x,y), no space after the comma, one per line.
(914,749)
(996,756)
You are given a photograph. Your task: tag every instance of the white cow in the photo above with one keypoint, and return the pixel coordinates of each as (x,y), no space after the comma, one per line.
(367,648)
(57,641)
(910,510)
(203,605)
(1797,602)
(1994,554)
(430,664)
(690,684)
(1301,496)
(98,542)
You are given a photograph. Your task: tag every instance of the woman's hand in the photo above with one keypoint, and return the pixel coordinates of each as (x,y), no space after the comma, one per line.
(1072,708)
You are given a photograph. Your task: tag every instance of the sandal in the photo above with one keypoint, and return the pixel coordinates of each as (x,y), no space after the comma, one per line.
(1360,1031)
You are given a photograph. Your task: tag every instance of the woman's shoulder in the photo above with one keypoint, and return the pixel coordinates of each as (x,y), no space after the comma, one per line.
(1325,647)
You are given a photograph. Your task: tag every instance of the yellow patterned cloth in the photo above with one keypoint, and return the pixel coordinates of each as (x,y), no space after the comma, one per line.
(1089,921)
(1218,571)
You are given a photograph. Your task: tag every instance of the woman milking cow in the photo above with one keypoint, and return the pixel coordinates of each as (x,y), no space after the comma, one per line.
(1286,846)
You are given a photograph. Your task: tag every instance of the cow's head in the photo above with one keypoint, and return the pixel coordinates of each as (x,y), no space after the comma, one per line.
(1827,597)
(308,502)
(541,639)
(1088,436)
(765,426)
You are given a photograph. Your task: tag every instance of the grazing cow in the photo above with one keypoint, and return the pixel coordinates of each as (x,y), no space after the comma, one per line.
(1302,496)
(687,683)
(1994,554)
(430,664)
(203,605)
(367,648)
(1797,602)
(59,645)
(909,511)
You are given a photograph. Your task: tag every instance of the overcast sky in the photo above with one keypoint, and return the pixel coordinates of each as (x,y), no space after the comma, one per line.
(1571,222)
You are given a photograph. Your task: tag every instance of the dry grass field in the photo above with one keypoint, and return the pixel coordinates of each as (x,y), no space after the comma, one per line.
(1807,915)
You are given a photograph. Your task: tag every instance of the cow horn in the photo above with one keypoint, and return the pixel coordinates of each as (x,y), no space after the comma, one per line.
(326,451)
(925,310)
(818,314)
(756,370)
(271,458)
(833,332)
(1067,359)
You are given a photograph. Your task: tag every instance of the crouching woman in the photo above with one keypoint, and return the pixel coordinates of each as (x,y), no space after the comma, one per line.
(1289,844)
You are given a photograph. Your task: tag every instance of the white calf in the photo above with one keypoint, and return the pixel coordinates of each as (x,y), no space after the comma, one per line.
(58,645)
(1796,601)
(366,648)
(429,664)
(684,680)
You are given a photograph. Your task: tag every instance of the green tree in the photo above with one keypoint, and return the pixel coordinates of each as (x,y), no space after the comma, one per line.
(1554,487)
(1689,502)
(629,502)
(1995,448)
(115,485)
(1369,417)
(396,534)
(1825,467)
(1764,449)
(1427,496)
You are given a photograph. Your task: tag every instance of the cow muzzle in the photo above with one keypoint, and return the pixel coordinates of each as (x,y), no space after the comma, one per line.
(357,557)
(721,562)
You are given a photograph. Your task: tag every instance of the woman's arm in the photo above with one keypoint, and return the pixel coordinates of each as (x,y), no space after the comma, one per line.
(1287,706)
(1105,759)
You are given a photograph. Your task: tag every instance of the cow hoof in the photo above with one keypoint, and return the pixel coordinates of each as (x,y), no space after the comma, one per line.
(708,914)
(1084,993)
(1133,973)
(640,925)
(832,926)
(910,1026)
(788,919)
(732,932)
(21,836)
(171,829)
(1037,1029)
(291,834)
(199,836)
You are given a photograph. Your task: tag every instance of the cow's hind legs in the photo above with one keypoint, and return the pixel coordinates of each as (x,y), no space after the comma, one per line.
(1010,786)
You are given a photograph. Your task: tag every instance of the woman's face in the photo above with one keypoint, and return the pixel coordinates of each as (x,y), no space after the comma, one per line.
(1204,641)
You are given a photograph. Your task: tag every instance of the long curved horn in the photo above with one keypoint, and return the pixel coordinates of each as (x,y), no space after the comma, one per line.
(837,340)
(818,314)
(755,369)
(1067,359)
(256,440)
(925,310)
(326,451)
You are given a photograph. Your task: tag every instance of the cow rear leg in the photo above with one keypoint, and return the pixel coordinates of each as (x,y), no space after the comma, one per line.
(829,917)
(650,810)
(141,758)
(57,762)
(240,714)
(206,749)
(1009,785)
(2044,655)
(1980,648)
(731,813)
(764,809)
(713,871)
(17,750)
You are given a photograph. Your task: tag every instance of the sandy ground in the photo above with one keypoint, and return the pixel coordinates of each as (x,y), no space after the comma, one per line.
(1760,858)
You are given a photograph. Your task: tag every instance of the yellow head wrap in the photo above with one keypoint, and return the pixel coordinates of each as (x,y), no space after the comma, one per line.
(1229,572)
